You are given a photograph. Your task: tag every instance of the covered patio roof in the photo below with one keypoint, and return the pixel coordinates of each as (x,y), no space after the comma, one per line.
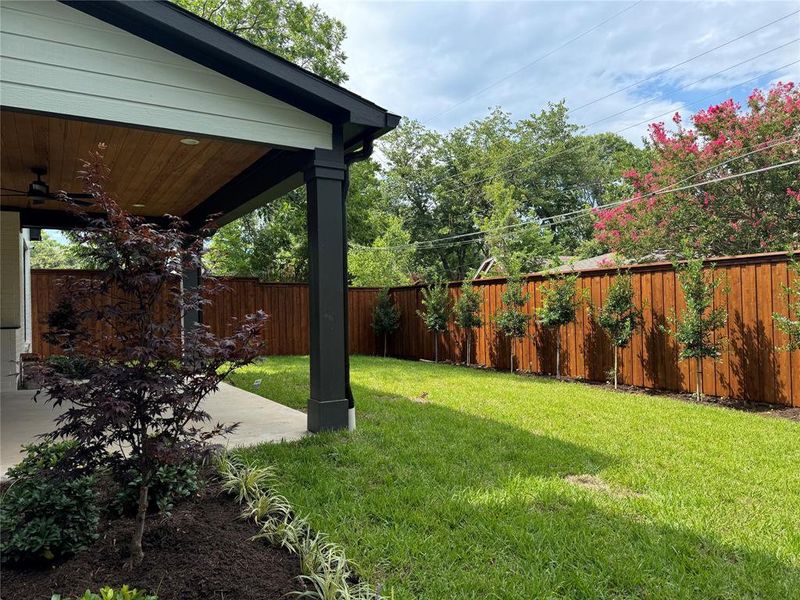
(197,122)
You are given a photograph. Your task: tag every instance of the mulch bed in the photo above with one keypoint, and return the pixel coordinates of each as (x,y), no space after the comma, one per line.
(202,551)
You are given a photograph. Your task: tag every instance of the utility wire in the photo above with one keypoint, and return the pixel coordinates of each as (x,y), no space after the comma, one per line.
(573,215)
(680,64)
(688,85)
(581,144)
(530,64)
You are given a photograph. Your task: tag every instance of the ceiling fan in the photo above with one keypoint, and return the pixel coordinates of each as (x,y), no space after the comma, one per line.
(39,192)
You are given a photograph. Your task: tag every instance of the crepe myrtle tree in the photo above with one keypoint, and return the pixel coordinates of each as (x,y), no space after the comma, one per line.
(436,311)
(789,324)
(559,303)
(619,316)
(694,329)
(467,315)
(385,317)
(139,406)
(511,321)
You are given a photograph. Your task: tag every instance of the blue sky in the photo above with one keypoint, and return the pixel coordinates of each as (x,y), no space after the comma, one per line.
(422,59)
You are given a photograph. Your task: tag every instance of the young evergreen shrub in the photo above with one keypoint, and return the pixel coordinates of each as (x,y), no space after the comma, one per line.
(694,330)
(619,316)
(466,313)
(559,303)
(169,484)
(45,513)
(789,324)
(510,320)
(436,311)
(385,317)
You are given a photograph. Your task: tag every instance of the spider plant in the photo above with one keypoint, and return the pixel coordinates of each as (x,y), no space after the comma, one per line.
(244,481)
(267,505)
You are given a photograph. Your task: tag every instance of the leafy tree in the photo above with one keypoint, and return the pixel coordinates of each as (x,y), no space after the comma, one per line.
(301,33)
(511,321)
(619,316)
(757,213)
(385,317)
(49,253)
(790,323)
(466,314)
(141,402)
(694,329)
(435,299)
(379,265)
(559,303)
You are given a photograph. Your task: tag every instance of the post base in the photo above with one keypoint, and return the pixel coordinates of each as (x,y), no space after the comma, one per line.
(328,415)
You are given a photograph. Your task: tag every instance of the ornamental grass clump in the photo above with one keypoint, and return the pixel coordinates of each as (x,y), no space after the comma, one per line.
(619,316)
(559,303)
(695,329)
(466,314)
(141,404)
(326,572)
(435,300)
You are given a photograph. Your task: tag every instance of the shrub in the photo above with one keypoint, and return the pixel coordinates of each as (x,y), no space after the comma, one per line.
(435,300)
(107,593)
(510,320)
(694,330)
(466,311)
(786,323)
(73,367)
(44,513)
(385,317)
(169,484)
(619,316)
(558,308)
(149,374)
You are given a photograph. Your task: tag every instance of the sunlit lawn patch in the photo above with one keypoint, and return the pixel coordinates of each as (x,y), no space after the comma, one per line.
(500,486)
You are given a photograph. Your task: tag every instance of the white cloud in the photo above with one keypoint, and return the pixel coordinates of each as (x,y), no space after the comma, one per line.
(422,59)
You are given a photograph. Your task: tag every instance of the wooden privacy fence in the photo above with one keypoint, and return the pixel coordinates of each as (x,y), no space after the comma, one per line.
(750,368)
(286,331)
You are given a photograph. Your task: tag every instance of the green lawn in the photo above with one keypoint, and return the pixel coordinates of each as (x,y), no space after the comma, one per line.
(466,494)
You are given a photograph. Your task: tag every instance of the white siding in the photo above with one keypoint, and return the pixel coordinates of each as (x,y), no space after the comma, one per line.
(10,298)
(56,59)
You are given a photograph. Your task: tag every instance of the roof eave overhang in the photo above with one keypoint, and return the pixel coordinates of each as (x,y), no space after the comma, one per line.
(177,30)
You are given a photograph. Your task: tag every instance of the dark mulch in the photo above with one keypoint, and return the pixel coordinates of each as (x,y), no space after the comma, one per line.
(201,551)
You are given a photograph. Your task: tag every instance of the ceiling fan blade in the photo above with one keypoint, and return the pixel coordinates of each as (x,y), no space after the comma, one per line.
(20,192)
(79,195)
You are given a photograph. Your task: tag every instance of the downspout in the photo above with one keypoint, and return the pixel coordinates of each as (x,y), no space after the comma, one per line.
(349,159)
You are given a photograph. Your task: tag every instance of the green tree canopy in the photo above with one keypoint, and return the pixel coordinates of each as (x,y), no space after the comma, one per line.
(301,33)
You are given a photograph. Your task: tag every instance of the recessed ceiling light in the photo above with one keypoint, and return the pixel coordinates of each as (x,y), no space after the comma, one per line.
(190,141)
(137,205)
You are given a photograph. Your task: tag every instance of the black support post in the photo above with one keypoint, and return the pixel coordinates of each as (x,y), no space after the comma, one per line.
(191,281)
(328,405)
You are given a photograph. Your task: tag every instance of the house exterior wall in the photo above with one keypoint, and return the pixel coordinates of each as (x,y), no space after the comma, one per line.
(15,298)
(56,59)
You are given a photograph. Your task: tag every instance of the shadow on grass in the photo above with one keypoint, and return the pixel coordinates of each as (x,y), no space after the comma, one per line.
(439,503)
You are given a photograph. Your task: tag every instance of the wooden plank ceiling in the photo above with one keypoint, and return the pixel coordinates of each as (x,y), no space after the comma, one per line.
(152,172)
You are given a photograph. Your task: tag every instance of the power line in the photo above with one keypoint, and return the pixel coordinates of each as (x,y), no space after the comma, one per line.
(688,60)
(530,64)
(688,85)
(583,143)
(574,215)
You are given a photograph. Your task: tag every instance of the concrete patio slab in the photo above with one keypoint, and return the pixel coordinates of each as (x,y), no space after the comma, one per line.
(261,420)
